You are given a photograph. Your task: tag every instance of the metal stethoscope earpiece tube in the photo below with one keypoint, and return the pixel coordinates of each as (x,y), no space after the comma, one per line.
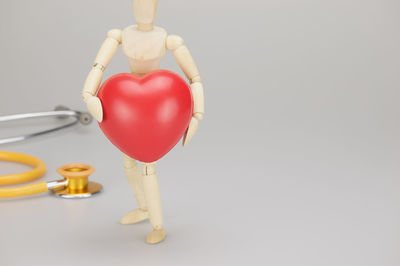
(59,112)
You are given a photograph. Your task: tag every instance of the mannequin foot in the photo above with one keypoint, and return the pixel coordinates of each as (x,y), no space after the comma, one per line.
(156,236)
(134,216)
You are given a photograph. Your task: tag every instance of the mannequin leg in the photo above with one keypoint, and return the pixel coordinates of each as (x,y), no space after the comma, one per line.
(153,201)
(134,176)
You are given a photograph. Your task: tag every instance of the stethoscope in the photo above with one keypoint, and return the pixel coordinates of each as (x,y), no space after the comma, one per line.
(75,182)
(60,112)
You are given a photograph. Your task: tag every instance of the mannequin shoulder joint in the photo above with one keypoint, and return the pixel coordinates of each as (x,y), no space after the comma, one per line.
(174,42)
(115,34)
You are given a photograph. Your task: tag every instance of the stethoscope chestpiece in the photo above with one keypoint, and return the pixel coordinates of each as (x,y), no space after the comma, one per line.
(76,182)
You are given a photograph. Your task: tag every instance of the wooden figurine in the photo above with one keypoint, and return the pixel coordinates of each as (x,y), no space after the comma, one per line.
(145,44)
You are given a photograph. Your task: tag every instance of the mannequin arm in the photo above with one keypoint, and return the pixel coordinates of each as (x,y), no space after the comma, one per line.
(188,66)
(93,80)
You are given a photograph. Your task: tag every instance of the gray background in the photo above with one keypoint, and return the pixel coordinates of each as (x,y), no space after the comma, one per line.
(296,162)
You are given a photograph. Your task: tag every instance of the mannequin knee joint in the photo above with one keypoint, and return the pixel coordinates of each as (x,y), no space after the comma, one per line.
(149,169)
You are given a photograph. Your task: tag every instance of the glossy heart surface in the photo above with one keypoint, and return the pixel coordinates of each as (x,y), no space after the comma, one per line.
(145,116)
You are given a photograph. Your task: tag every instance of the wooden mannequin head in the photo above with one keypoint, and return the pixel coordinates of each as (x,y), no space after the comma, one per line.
(145,13)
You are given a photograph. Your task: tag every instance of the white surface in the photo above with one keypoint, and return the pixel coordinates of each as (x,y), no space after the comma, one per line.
(305,201)
(297,159)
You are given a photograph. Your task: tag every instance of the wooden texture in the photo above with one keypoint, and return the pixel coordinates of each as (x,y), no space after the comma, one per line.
(186,62)
(93,80)
(193,126)
(145,13)
(144,49)
(133,173)
(198,99)
(153,201)
(93,104)
(145,45)
(152,195)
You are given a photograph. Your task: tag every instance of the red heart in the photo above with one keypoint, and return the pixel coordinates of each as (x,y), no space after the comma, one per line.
(145,117)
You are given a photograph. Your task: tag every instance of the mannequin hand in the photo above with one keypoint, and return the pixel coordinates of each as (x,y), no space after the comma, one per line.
(194,124)
(93,104)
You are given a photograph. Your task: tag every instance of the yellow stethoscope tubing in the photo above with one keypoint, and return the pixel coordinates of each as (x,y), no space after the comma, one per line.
(39,169)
